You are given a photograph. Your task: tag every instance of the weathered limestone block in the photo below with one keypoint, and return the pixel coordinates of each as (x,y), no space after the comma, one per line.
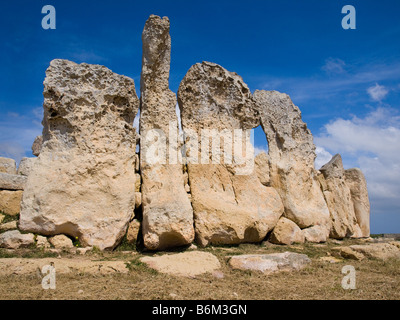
(83,182)
(25,166)
(10,202)
(12,181)
(230,204)
(15,240)
(262,168)
(8,166)
(338,199)
(12,225)
(133,231)
(292,156)
(355,180)
(167,213)
(316,234)
(61,242)
(37,145)
(286,232)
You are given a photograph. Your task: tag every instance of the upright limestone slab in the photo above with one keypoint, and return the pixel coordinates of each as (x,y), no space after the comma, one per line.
(291,157)
(355,180)
(83,181)
(338,197)
(167,212)
(230,203)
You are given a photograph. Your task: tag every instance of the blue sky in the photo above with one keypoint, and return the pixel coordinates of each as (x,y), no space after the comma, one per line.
(346,82)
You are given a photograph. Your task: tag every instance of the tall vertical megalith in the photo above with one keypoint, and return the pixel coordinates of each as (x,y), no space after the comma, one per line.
(82,183)
(167,212)
(291,157)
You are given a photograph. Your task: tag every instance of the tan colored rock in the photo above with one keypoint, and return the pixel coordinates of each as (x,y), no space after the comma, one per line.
(41,242)
(15,240)
(12,181)
(138,182)
(357,184)
(25,166)
(230,204)
(10,202)
(137,163)
(2,216)
(262,168)
(83,182)
(12,225)
(348,253)
(382,251)
(291,157)
(37,146)
(186,264)
(8,166)
(61,242)
(167,213)
(270,263)
(138,200)
(286,232)
(316,234)
(133,231)
(338,199)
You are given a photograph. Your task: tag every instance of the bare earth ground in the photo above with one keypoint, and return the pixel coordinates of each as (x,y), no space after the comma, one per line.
(321,280)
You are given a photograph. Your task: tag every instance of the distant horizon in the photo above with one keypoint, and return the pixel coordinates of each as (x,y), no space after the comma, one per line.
(345,82)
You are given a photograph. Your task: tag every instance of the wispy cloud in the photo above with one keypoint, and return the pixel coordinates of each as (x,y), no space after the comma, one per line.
(377,92)
(334,66)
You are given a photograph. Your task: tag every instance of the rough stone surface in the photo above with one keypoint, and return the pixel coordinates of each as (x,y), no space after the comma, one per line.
(10,202)
(292,156)
(230,204)
(133,232)
(83,182)
(338,198)
(261,162)
(8,166)
(316,234)
(25,166)
(15,240)
(270,263)
(37,146)
(61,242)
(286,232)
(12,225)
(41,242)
(187,264)
(12,181)
(167,213)
(381,251)
(348,253)
(357,184)
(138,200)
(2,216)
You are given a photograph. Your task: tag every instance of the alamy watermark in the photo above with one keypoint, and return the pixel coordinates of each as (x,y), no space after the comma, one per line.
(230,147)
(49,20)
(349,280)
(49,279)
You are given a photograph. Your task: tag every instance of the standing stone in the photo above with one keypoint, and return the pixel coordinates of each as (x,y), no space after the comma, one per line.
(82,183)
(292,156)
(338,198)
(355,180)
(25,166)
(37,145)
(261,162)
(167,213)
(8,166)
(230,203)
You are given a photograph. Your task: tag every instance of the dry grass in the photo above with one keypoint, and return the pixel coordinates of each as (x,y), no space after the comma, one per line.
(321,280)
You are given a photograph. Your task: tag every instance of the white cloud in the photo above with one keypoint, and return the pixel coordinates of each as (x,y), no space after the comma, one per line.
(334,66)
(371,143)
(258,150)
(377,92)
